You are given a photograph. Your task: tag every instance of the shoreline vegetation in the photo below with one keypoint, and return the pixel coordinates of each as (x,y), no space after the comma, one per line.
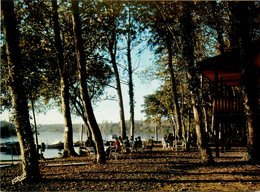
(149,170)
(106,128)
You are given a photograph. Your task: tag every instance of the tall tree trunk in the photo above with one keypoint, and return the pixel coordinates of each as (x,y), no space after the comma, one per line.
(249,75)
(80,109)
(204,110)
(35,127)
(119,91)
(194,82)
(131,87)
(112,48)
(68,131)
(81,65)
(30,163)
(130,74)
(180,131)
(202,142)
(218,26)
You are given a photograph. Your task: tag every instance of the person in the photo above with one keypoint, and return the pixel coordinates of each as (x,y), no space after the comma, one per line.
(139,142)
(117,144)
(91,143)
(135,145)
(170,140)
(126,144)
(131,140)
(165,142)
(120,140)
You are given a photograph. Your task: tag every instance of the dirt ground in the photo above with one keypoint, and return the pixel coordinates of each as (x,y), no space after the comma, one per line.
(156,170)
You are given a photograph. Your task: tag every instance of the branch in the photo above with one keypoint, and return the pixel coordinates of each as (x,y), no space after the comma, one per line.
(168,26)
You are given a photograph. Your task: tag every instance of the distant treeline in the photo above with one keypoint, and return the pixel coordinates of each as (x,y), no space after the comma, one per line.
(7,129)
(107,128)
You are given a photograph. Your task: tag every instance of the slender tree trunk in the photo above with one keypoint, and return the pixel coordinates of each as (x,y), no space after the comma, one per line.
(68,131)
(202,142)
(194,82)
(35,127)
(81,65)
(130,75)
(119,92)
(79,108)
(131,87)
(30,165)
(180,131)
(220,38)
(204,110)
(218,26)
(112,48)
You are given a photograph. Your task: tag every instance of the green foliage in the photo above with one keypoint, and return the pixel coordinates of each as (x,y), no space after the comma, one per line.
(7,129)
(106,26)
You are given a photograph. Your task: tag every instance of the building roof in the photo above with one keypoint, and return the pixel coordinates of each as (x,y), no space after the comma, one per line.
(227,66)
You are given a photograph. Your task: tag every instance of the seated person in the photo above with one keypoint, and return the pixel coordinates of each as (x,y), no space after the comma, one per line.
(126,144)
(131,140)
(170,140)
(90,143)
(117,145)
(139,142)
(165,142)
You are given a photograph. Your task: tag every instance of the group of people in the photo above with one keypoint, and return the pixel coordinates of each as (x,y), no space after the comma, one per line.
(168,141)
(126,145)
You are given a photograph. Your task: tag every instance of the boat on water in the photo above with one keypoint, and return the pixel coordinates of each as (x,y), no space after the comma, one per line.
(56,145)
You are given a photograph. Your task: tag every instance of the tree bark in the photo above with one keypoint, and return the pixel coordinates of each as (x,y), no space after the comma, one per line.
(30,165)
(68,131)
(80,109)
(118,88)
(194,82)
(131,87)
(180,131)
(112,48)
(81,66)
(202,142)
(35,128)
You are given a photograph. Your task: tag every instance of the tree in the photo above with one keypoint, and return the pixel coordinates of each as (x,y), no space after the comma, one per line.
(65,96)
(187,27)
(110,19)
(243,31)
(81,66)
(163,26)
(158,106)
(19,97)
(130,37)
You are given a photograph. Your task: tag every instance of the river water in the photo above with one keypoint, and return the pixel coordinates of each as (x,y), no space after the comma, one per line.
(49,138)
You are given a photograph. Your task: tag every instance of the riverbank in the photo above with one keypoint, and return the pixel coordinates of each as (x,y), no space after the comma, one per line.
(155,170)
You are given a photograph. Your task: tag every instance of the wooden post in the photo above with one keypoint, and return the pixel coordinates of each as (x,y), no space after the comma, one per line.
(81,135)
(222,95)
(216,123)
(156,133)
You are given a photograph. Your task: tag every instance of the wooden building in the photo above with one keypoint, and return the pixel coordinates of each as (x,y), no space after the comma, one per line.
(224,72)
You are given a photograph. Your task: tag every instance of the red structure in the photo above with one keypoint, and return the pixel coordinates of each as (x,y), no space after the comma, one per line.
(225,72)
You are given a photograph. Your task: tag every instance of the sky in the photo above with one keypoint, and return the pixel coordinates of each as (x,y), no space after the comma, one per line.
(107,110)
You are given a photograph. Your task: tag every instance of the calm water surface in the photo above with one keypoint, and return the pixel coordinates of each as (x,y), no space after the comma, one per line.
(49,138)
